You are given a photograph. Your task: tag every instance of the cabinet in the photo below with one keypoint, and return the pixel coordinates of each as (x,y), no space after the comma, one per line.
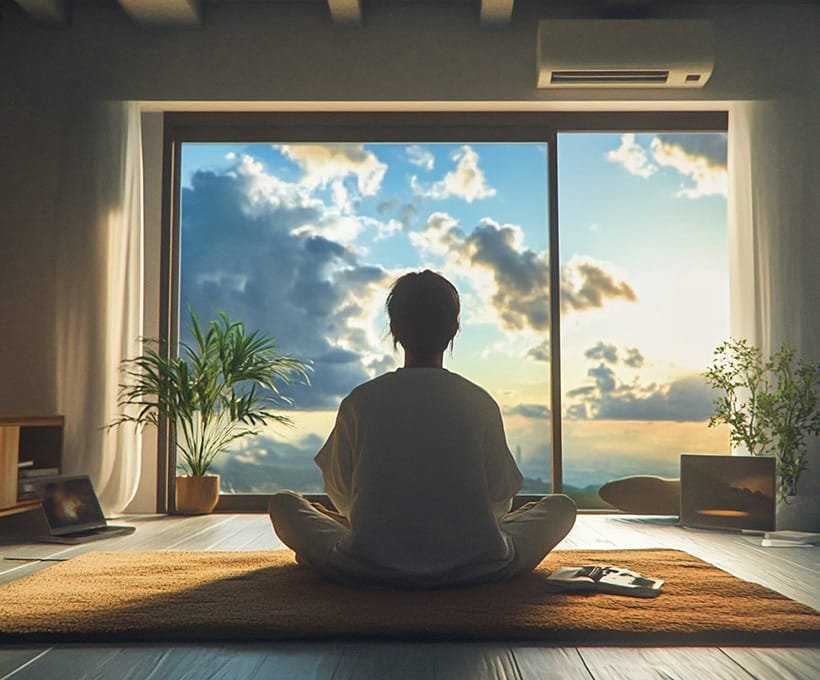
(35,441)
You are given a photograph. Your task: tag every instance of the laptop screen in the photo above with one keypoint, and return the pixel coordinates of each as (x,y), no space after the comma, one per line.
(727,492)
(69,503)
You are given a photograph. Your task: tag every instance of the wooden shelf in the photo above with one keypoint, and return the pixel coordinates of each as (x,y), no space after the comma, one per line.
(34,439)
(32,420)
(25,506)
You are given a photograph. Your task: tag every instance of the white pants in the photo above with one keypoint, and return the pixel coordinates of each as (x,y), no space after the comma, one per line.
(313,536)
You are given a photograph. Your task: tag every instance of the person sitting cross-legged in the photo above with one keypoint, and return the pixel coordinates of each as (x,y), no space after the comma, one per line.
(419,470)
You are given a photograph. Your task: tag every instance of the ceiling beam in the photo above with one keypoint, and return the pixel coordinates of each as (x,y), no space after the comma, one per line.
(159,13)
(51,12)
(496,12)
(346,12)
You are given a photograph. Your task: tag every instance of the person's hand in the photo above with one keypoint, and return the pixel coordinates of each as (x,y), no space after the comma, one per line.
(523,508)
(341,519)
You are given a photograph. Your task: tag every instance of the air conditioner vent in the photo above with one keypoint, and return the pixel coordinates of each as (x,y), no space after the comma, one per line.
(625,53)
(608,77)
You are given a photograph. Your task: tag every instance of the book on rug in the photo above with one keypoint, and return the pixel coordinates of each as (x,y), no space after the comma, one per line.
(603,579)
(790,539)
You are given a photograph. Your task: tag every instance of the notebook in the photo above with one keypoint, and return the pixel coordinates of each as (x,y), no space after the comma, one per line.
(727,492)
(72,510)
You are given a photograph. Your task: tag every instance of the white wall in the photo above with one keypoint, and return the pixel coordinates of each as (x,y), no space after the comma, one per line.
(434,52)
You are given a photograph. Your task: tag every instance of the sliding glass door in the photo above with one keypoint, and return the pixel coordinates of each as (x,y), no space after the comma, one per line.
(648,213)
(299,231)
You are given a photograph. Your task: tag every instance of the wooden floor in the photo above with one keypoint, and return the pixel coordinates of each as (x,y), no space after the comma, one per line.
(795,572)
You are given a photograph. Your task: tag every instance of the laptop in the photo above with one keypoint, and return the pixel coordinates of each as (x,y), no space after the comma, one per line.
(72,510)
(727,492)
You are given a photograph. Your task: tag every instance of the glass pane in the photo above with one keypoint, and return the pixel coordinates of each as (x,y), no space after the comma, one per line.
(644,271)
(303,241)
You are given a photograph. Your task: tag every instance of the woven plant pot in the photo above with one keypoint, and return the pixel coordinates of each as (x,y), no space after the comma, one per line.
(196,495)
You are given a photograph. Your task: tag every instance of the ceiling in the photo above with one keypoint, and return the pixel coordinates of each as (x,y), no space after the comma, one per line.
(175,13)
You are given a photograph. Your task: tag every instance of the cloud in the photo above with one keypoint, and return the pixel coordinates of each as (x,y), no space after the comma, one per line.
(683,400)
(388,205)
(521,276)
(701,158)
(535,411)
(540,352)
(610,353)
(604,378)
(605,396)
(586,283)
(405,212)
(708,145)
(583,391)
(263,465)
(323,164)
(387,229)
(466,180)
(440,236)
(632,156)
(706,170)
(512,280)
(252,247)
(295,204)
(603,351)
(576,412)
(420,156)
(634,358)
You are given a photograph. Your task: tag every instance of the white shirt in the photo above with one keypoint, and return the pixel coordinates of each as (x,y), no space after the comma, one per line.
(419,463)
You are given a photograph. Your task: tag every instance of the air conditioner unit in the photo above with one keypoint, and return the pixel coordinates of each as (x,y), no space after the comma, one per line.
(625,53)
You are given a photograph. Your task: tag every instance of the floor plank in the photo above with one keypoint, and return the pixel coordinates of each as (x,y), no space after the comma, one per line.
(403,661)
(550,663)
(12,659)
(172,662)
(783,664)
(667,663)
(411,661)
(491,661)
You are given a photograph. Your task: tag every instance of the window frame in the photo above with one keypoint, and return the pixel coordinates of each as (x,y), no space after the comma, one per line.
(374,127)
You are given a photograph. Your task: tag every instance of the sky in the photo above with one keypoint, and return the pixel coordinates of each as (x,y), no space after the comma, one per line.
(303,241)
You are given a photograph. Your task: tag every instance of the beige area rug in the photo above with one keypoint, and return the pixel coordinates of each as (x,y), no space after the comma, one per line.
(197,596)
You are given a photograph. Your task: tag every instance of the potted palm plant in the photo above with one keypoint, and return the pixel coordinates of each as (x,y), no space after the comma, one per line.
(222,386)
(771,407)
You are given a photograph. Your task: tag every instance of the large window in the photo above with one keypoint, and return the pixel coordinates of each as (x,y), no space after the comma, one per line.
(644,215)
(298,225)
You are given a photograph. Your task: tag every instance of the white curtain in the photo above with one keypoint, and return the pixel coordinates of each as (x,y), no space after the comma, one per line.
(774,236)
(99,300)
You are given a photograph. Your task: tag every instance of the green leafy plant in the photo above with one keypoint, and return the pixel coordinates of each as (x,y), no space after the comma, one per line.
(221,387)
(769,404)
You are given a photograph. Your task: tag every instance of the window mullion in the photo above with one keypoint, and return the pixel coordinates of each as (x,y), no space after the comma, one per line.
(555,316)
